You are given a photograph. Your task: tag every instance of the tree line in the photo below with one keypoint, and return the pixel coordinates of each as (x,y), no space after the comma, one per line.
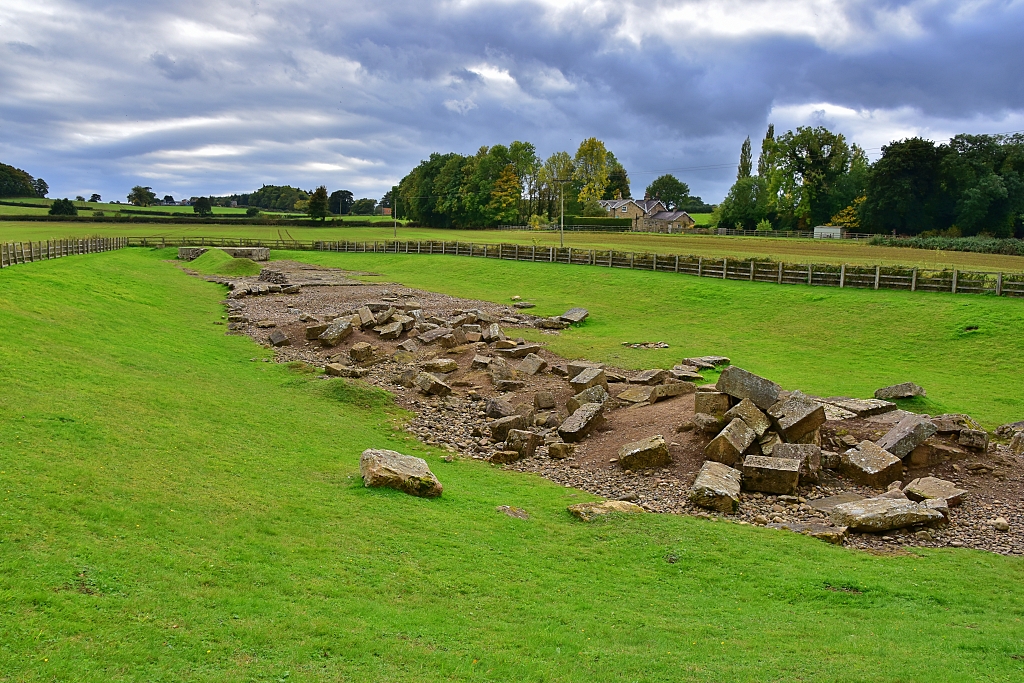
(971,185)
(511,184)
(14,182)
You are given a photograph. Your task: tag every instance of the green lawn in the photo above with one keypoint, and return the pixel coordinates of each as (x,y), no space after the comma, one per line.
(709,246)
(173,511)
(41,207)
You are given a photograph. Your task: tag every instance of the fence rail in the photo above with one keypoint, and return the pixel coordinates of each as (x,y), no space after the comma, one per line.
(760,270)
(13,253)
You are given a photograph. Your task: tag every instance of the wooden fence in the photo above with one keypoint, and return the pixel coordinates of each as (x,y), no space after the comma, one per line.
(13,253)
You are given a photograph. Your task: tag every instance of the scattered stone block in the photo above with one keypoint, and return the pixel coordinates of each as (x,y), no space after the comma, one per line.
(934,452)
(492,333)
(751,415)
(514,512)
(588,378)
(339,330)
(266,324)
(939,505)
(797,416)
(954,423)
(313,331)
(709,424)
(575,367)
(498,408)
(672,389)
(507,385)
(905,390)
(279,338)
(551,324)
(711,402)
(431,385)
(649,377)
(823,532)
(575,315)
(532,364)
(741,384)
(809,456)
(976,439)
(523,442)
(831,460)
(871,465)
(730,445)
(771,475)
(717,487)
(637,394)
(560,451)
(389,469)
(932,487)
(863,407)
(385,315)
(501,427)
(362,351)
(339,370)
(582,422)
(431,336)
(390,331)
(908,434)
(588,512)
(544,400)
(1017,444)
(409,345)
(828,504)
(442,365)
(769,442)
(519,351)
(883,514)
(1009,429)
(644,454)
(407,378)
(366,317)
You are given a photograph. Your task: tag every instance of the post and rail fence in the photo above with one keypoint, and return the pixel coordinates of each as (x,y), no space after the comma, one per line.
(905,278)
(13,253)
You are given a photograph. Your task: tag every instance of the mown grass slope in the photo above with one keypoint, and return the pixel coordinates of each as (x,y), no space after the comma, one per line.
(172,510)
(822,340)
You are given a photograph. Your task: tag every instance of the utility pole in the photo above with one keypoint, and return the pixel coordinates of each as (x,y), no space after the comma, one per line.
(561,200)
(394,209)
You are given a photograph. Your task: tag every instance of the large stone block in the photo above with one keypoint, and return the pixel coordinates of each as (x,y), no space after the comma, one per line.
(730,445)
(637,394)
(927,488)
(976,439)
(809,456)
(366,317)
(492,333)
(532,364)
(389,469)
(871,465)
(575,315)
(501,427)
(595,394)
(711,403)
(589,378)
(905,390)
(523,442)
(863,407)
(498,408)
(671,389)
(771,475)
(336,332)
(954,423)
(908,434)
(431,385)
(934,452)
(751,415)
(361,352)
(392,330)
(279,338)
(575,367)
(431,336)
(582,422)
(1017,444)
(519,351)
(797,416)
(644,454)
(709,424)
(883,514)
(649,377)
(717,487)
(312,331)
(741,384)
(443,365)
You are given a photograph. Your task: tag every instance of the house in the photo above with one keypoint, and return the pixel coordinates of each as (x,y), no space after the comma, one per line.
(667,221)
(633,209)
(828,232)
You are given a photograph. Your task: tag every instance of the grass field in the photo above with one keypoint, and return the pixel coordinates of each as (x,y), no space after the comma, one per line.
(173,511)
(42,207)
(711,246)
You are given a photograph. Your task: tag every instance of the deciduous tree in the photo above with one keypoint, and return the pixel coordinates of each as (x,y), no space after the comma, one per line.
(670,190)
(142,196)
(202,206)
(318,204)
(340,202)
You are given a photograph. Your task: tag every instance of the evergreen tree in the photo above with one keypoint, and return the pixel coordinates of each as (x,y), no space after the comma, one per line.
(746,163)
(317,207)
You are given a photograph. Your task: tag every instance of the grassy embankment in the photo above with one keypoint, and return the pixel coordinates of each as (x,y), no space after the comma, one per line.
(821,340)
(710,246)
(174,511)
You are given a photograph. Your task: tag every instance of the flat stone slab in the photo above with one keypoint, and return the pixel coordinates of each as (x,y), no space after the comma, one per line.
(431,336)
(905,390)
(520,351)
(828,504)
(382,468)
(588,512)
(741,384)
(771,475)
(339,370)
(443,365)
(532,364)
(871,465)
(650,377)
(823,532)
(954,423)
(933,452)
(883,514)
(501,427)
(908,434)
(588,378)
(637,394)
(927,488)
(797,416)
(730,445)
(582,422)
(644,454)
(595,394)
(862,407)
(717,487)
(575,315)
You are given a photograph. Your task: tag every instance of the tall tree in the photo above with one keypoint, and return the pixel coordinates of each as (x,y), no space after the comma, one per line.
(340,202)
(745,167)
(556,178)
(94,198)
(202,206)
(813,160)
(505,196)
(317,207)
(40,187)
(15,182)
(904,190)
(142,196)
(63,207)
(673,192)
(766,160)
(618,180)
(591,169)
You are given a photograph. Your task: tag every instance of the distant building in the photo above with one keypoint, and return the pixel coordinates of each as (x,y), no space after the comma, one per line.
(386,211)
(667,221)
(648,215)
(828,232)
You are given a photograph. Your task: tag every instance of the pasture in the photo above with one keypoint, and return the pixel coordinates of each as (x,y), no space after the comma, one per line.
(175,509)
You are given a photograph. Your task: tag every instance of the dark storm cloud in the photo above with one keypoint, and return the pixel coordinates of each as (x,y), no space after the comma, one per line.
(194,97)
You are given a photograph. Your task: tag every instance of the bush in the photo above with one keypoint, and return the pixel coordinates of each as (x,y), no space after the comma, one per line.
(63,207)
(252,211)
(980,245)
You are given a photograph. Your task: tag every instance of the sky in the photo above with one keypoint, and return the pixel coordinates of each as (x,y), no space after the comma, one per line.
(217,97)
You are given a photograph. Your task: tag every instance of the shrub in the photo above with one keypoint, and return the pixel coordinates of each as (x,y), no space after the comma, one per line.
(981,245)
(63,207)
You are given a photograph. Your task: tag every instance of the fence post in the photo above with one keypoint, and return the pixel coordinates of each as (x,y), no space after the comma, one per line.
(842,276)
(751,270)
(913,281)
(517,253)
(999,284)
(725,268)
(632,258)
(593,257)
(551,254)
(700,266)
(677,263)
(810,273)
(780,272)
(611,258)
(956,274)
(878,275)
(570,256)
(655,267)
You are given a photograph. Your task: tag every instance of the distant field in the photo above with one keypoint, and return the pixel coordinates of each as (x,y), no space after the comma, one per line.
(710,246)
(85,209)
